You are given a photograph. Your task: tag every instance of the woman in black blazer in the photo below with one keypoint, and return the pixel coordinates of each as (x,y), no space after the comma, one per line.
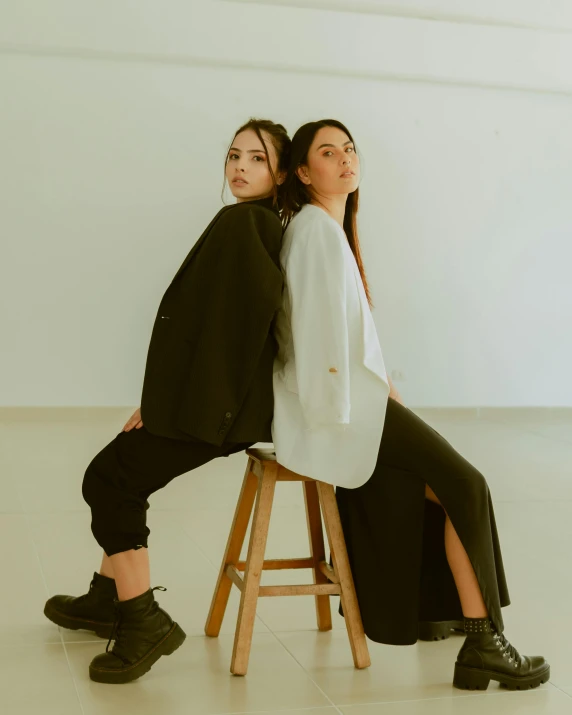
(207,393)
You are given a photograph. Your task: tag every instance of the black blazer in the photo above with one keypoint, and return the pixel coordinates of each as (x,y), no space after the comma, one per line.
(208,374)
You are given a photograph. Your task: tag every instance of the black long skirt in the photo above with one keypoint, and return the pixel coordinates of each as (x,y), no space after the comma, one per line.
(396,537)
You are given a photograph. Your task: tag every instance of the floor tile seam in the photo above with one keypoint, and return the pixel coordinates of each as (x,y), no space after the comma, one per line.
(189,635)
(530,501)
(333,708)
(286,631)
(561,688)
(549,409)
(306,672)
(526,431)
(384,702)
(73,678)
(16,646)
(47,591)
(489,693)
(214,567)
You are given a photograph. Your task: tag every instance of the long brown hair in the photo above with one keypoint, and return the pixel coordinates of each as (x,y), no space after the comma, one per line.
(294,194)
(281,142)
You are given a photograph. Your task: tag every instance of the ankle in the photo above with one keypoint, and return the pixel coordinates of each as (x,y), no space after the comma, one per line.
(478,626)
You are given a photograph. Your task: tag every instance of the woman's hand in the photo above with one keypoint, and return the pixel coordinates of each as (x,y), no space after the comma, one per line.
(393,392)
(397,397)
(134,421)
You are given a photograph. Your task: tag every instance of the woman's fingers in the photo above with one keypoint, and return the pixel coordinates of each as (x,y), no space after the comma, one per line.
(134,421)
(131,424)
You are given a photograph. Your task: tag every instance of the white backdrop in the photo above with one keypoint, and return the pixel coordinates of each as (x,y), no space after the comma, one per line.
(114,123)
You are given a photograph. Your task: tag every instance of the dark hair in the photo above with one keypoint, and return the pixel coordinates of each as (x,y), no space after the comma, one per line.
(281,142)
(294,194)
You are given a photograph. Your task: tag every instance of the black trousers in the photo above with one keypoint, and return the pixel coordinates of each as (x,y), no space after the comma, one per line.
(395,536)
(121,477)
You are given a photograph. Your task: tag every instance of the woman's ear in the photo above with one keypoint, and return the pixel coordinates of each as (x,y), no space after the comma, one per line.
(281,178)
(302,174)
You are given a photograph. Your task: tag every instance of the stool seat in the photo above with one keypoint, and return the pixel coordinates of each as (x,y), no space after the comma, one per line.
(262,472)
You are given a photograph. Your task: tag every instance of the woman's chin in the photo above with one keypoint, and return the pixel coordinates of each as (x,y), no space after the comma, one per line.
(241,193)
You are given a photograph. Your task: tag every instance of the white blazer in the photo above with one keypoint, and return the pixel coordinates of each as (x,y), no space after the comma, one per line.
(330,383)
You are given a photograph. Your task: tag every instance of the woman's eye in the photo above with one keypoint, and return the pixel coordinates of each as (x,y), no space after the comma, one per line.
(327,152)
(259,158)
(350,148)
(232,156)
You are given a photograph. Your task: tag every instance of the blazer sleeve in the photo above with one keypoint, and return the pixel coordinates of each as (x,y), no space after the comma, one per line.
(241,290)
(315,275)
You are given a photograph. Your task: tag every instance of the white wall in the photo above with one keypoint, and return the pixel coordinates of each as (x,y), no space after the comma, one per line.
(114,122)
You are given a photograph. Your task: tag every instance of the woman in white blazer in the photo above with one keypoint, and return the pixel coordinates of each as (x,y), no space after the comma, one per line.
(418,518)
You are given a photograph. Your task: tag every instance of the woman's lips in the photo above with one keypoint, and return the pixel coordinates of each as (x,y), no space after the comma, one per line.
(239,181)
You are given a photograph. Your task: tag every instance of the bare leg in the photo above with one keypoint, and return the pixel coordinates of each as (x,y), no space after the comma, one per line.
(106,567)
(132,573)
(463,573)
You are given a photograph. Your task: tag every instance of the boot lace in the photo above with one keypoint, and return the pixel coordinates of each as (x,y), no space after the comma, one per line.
(117,633)
(85,595)
(508,651)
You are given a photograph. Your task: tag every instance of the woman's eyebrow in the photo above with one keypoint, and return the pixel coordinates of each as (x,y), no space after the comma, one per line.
(250,151)
(322,145)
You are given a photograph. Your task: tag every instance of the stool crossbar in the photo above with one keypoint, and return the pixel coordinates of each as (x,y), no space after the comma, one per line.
(262,474)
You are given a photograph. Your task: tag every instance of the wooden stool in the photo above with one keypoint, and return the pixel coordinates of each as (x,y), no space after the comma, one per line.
(262,473)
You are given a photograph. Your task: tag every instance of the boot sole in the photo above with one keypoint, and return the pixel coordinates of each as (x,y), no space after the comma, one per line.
(101,629)
(467,678)
(167,645)
(439,630)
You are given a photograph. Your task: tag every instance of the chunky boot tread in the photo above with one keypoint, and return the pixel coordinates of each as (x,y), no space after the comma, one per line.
(487,655)
(438,630)
(167,645)
(467,678)
(75,623)
(50,610)
(142,632)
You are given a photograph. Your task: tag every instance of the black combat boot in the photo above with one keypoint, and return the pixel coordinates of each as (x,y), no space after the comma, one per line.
(487,655)
(439,630)
(94,611)
(143,632)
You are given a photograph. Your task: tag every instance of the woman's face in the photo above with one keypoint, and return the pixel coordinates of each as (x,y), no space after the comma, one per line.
(333,164)
(247,166)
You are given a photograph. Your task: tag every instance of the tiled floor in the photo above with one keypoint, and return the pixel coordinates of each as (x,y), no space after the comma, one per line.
(46,547)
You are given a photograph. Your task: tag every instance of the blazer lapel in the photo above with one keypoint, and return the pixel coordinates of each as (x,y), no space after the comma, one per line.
(263,202)
(372,355)
(197,245)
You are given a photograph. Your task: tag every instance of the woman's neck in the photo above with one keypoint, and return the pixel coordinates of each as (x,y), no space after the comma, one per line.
(334,205)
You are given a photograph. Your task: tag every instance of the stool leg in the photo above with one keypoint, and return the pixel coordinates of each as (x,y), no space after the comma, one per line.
(341,563)
(232,552)
(253,571)
(317,552)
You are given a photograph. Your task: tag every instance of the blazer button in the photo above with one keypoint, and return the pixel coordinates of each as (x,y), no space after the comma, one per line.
(333,369)
(228,414)
(221,431)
